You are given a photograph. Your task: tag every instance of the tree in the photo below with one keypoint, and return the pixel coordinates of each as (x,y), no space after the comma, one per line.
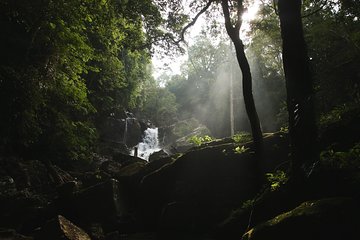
(233,31)
(299,86)
(67,65)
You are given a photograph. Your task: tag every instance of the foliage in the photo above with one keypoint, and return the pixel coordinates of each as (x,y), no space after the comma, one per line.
(333,38)
(158,104)
(339,113)
(276,179)
(199,140)
(202,87)
(242,137)
(65,67)
(188,126)
(239,150)
(284,129)
(342,160)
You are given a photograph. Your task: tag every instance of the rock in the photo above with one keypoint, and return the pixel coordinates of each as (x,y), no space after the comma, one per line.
(103,203)
(109,148)
(176,136)
(28,174)
(16,208)
(126,159)
(7,185)
(61,228)
(152,167)
(11,234)
(113,236)
(205,177)
(131,169)
(206,183)
(126,130)
(89,179)
(67,189)
(158,155)
(110,167)
(331,219)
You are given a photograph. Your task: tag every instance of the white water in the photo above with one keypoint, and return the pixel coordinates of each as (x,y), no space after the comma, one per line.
(149,144)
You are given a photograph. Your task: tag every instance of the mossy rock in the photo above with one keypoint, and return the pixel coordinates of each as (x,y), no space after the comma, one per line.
(331,218)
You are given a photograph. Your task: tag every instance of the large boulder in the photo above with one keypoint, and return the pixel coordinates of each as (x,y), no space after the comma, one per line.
(331,219)
(204,185)
(103,203)
(158,155)
(127,130)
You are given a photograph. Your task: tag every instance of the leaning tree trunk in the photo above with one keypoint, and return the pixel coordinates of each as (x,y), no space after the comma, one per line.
(299,86)
(248,96)
(234,34)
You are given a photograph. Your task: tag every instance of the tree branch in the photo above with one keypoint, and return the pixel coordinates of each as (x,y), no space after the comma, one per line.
(240,11)
(315,11)
(229,27)
(193,21)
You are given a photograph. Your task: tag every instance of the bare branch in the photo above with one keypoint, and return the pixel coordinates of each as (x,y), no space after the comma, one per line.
(193,21)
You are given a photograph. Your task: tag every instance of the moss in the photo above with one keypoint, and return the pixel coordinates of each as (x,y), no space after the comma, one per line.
(331,218)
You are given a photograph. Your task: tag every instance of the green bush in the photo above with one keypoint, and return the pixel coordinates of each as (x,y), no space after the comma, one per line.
(200,140)
(343,160)
(276,179)
(242,137)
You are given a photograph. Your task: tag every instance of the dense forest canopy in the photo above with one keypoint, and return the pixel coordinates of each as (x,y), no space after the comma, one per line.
(256,137)
(67,66)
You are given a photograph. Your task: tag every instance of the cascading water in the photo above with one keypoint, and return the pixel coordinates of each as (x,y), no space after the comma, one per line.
(149,144)
(125,130)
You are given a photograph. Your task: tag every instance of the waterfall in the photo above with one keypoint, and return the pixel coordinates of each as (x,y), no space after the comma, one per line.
(149,144)
(125,130)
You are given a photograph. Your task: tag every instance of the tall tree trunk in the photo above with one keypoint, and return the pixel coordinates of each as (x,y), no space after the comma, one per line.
(248,96)
(299,86)
(234,33)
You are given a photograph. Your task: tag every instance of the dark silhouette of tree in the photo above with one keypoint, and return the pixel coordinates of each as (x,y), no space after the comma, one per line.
(233,31)
(299,86)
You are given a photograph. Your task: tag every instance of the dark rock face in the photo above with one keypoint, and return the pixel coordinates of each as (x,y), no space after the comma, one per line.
(201,180)
(332,218)
(10,234)
(102,203)
(127,130)
(201,187)
(158,155)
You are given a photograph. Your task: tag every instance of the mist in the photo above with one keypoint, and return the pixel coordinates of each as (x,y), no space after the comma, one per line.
(203,90)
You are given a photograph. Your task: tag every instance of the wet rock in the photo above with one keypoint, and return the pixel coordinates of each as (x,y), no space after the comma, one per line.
(61,228)
(111,167)
(126,159)
(331,219)
(131,169)
(158,155)
(125,130)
